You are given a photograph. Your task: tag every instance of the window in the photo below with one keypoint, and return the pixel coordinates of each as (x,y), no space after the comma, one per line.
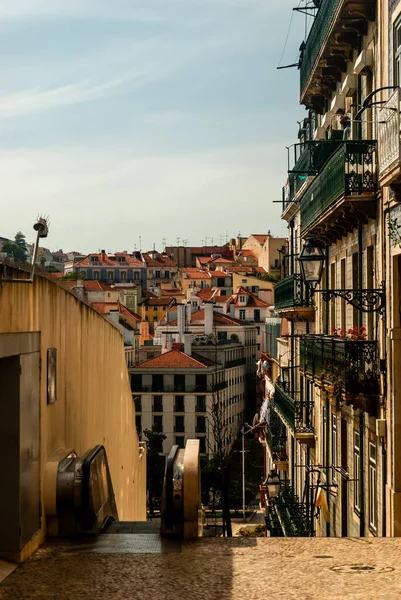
(244,280)
(242,315)
(157,383)
(372,487)
(202,444)
(179,383)
(157,274)
(220,282)
(357,470)
(138,403)
(222,335)
(110,275)
(158,422)
(200,403)
(138,423)
(258,346)
(155,308)
(179,404)
(223,292)
(397,52)
(157,403)
(257,330)
(200,425)
(96,275)
(136,383)
(256,315)
(123,275)
(180,441)
(334,444)
(94,259)
(201,383)
(242,299)
(136,275)
(179,425)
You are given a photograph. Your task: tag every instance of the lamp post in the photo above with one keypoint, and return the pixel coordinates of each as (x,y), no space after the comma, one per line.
(273,484)
(311,262)
(243,467)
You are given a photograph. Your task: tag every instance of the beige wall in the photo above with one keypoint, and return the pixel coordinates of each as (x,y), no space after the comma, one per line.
(270,252)
(94,401)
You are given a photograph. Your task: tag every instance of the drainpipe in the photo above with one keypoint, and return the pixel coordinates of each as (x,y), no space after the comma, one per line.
(327,459)
(360,265)
(362,474)
(292,245)
(326,319)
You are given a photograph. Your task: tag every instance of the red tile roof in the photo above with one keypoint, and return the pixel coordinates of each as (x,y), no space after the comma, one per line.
(194,273)
(105,307)
(159,260)
(104,260)
(162,301)
(175,359)
(248,253)
(260,237)
(198,318)
(205,294)
(253,300)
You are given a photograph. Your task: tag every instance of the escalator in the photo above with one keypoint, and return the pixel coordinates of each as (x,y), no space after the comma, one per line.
(86,509)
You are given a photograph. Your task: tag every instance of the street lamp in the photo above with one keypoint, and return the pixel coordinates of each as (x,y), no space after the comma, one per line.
(311,261)
(273,484)
(243,466)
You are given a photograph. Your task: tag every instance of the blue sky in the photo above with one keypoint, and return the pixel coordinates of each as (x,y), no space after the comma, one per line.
(152,118)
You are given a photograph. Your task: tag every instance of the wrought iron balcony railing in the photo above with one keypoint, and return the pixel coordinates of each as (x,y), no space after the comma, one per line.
(309,158)
(292,292)
(237,362)
(389,133)
(350,171)
(284,404)
(318,34)
(297,412)
(350,368)
(276,434)
(292,513)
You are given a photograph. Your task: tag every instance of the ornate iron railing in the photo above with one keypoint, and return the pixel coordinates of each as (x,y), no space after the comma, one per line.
(350,171)
(272,522)
(317,37)
(389,132)
(291,292)
(292,513)
(276,435)
(351,366)
(284,405)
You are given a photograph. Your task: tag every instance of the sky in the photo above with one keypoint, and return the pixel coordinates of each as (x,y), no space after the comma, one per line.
(151,119)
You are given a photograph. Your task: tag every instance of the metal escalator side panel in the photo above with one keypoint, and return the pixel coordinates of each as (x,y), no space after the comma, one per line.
(169,515)
(98,500)
(192,506)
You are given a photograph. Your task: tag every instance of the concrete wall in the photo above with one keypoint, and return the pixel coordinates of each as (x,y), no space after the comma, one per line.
(94,401)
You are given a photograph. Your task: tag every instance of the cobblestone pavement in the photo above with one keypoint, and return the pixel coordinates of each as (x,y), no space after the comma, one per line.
(250,568)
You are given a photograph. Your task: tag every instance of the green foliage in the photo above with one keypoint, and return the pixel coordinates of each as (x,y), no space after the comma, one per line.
(268,277)
(18,249)
(258,531)
(72,277)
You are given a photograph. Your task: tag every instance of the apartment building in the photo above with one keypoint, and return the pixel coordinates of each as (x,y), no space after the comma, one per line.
(160,269)
(182,392)
(333,392)
(120,267)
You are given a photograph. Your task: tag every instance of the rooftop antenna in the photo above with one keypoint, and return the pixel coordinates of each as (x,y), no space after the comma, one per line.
(185,242)
(178,241)
(212,241)
(206,240)
(140,243)
(226,237)
(221,239)
(164,243)
(154,247)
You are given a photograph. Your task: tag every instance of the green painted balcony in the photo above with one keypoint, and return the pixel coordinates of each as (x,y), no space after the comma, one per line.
(344,190)
(294,516)
(308,159)
(284,404)
(336,29)
(291,292)
(349,370)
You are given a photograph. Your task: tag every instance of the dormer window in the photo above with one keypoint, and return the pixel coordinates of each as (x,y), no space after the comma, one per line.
(242,299)
(121,258)
(94,258)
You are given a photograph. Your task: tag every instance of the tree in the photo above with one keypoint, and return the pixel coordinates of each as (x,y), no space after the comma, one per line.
(154,464)
(72,276)
(17,249)
(268,277)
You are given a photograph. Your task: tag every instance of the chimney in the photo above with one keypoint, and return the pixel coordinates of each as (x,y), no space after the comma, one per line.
(164,343)
(114,316)
(188,344)
(189,312)
(208,308)
(181,319)
(79,288)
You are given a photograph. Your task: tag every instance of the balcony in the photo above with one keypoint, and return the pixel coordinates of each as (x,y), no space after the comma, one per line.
(308,159)
(343,193)
(187,389)
(390,140)
(297,413)
(237,362)
(291,292)
(347,369)
(292,513)
(335,33)
(284,405)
